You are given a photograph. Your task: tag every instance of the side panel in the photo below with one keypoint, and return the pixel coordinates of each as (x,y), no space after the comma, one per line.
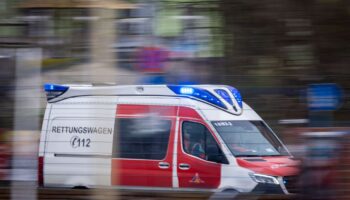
(79,142)
(129,169)
(237,178)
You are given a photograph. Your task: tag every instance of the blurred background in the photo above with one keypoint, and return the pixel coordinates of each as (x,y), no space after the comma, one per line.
(289,58)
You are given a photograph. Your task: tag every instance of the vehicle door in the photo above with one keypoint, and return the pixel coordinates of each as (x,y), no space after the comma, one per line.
(142,149)
(200,157)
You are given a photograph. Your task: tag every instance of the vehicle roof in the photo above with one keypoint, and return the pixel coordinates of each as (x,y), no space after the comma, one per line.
(204,93)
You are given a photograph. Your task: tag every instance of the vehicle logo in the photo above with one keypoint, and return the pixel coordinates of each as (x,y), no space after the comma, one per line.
(196,179)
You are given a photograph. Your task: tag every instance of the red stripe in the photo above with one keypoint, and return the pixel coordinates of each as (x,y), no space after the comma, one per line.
(146,109)
(273,166)
(189,112)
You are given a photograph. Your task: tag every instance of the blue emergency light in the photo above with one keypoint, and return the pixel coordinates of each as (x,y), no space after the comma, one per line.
(53,90)
(237,95)
(186,90)
(224,95)
(198,93)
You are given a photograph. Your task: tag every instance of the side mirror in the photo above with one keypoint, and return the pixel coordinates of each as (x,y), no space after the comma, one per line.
(218,158)
(215,158)
(214,154)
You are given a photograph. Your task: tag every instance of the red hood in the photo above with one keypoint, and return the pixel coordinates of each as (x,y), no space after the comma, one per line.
(274,166)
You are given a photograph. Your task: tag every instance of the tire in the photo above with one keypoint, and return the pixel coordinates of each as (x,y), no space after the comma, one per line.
(80,187)
(226,194)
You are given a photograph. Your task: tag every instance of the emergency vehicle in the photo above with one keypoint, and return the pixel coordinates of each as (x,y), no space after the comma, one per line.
(159,137)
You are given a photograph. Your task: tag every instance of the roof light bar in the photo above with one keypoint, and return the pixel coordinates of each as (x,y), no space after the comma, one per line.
(224,95)
(52,87)
(237,95)
(198,93)
(186,90)
(53,90)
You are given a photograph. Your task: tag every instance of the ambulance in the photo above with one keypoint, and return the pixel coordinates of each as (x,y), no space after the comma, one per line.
(160,137)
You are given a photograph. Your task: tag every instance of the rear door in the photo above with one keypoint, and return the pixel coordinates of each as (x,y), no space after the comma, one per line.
(142,152)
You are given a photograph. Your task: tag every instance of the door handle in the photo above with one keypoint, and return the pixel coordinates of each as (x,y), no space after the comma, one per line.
(163,165)
(184,166)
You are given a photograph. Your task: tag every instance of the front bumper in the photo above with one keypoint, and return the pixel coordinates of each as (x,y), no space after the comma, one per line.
(262,188)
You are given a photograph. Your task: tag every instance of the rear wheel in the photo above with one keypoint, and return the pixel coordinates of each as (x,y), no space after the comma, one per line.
(80,187)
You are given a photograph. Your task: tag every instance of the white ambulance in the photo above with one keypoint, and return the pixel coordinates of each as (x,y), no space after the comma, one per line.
(197,137)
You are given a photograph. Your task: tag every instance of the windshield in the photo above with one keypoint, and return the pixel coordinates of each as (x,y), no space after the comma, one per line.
(249,138)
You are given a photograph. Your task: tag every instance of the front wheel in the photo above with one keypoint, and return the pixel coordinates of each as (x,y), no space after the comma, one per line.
(225,194)
(80,187)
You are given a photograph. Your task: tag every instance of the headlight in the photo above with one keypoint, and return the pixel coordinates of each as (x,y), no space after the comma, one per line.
(259,178)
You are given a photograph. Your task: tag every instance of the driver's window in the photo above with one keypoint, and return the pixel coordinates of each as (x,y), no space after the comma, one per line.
(198,141)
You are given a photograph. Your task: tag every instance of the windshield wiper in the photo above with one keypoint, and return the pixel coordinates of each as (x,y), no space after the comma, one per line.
(247,155)
(256,155)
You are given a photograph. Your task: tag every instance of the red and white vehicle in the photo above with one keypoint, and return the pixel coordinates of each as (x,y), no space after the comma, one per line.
(159,137)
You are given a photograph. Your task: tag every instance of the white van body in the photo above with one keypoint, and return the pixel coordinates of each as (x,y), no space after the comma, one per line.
(134,137)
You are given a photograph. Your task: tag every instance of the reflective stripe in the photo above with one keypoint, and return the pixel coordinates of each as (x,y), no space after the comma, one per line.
(175,177)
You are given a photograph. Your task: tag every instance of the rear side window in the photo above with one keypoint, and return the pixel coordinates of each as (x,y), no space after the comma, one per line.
(141,138)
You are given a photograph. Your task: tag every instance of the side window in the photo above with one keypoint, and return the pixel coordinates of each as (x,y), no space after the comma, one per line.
(198,141)
(141,138)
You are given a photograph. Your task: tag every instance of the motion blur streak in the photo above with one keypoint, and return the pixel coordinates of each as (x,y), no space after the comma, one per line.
(289,59)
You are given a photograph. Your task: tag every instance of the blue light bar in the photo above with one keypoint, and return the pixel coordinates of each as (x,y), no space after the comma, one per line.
(186,90)
(197,93)
(224,95)
(53,90)
(237,96)
(52,87)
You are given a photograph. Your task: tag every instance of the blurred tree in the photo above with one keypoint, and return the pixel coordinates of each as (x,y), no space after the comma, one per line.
(273,49)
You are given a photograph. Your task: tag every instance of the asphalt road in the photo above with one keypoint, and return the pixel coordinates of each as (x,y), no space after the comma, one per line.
(57,193)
